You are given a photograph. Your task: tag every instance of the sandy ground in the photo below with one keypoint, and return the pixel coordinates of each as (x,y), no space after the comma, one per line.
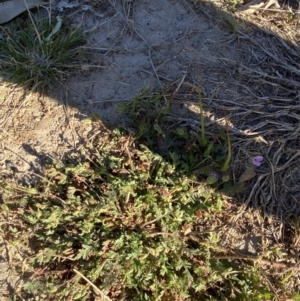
(251,74)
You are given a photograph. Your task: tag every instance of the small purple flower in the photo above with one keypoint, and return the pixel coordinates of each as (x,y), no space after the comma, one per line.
(257,160)
(214,175)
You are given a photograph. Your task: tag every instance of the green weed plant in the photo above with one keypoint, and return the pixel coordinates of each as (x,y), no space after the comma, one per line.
(192,152)
(124,224)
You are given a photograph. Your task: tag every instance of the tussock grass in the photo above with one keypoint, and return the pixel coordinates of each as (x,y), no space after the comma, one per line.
(37,53)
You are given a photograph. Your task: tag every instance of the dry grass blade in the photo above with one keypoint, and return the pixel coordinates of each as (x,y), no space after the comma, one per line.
(98,291)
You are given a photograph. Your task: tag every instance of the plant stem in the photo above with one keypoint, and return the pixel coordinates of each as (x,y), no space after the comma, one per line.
(203,141)
(93,285)
(226,164)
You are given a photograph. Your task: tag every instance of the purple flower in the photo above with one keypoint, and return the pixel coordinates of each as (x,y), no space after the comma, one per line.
(214,175)
(257,160)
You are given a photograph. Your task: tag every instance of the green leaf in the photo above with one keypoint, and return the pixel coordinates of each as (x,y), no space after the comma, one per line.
(55,29)
(225,178)
(212,180)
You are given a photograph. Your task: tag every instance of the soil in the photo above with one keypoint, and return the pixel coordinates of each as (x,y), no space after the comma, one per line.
(251,75)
